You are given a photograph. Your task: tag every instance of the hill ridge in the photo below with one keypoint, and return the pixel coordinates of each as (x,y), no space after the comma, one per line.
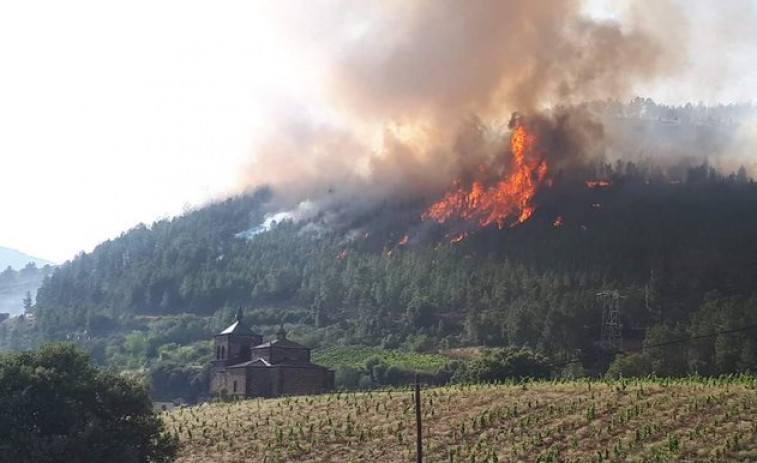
(17,260)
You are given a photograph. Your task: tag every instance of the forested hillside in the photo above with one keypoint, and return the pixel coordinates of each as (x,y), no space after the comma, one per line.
(681,255)
(676,243)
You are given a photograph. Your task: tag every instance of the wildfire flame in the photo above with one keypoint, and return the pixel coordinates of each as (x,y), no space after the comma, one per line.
(557,222)
(506,202)
(404,241)
(597,183)
(458,238)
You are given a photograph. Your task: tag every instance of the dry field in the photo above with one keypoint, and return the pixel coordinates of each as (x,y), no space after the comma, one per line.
(582,421)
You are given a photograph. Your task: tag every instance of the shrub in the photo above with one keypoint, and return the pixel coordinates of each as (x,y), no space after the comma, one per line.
(502,364)
(55,406)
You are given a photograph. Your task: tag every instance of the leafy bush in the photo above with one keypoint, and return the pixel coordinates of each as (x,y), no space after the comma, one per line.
(629,366)
(347,377)
(502,364)
(55,407)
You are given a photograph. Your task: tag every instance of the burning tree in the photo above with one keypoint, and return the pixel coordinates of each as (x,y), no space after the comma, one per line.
(506,201)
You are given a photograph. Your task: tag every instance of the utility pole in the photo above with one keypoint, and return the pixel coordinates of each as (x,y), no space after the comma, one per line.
(418,424)
(611,337)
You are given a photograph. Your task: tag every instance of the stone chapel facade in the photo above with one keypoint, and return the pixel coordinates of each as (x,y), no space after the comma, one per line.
(246,367)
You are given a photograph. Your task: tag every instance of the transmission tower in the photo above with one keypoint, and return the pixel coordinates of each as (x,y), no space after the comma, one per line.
(612,329)
(651,298)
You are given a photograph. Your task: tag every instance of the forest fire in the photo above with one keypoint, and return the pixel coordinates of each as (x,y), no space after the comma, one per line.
(458,238)
(597,183)
(508,201)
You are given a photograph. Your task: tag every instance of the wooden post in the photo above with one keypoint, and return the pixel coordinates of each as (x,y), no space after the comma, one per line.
(418,424)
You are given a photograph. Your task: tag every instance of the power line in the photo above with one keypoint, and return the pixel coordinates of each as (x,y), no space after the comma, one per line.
(662,344)
(701,336)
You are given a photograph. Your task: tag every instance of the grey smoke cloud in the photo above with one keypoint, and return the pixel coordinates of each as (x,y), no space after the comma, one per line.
(419,93)
(439,59)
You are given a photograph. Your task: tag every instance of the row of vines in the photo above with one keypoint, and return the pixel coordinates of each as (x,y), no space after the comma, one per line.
(650,420)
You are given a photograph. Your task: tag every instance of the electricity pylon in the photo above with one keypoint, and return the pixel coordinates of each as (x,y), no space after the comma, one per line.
(611,337)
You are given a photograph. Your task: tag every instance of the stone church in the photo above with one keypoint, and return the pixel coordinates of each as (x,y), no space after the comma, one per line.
(245,367)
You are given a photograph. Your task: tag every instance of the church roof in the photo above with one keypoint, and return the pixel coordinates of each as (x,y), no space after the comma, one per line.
(286,363)
(238,328)
(281,343)
(249,363)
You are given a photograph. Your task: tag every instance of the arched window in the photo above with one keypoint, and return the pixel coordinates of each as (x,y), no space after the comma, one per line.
(223,352)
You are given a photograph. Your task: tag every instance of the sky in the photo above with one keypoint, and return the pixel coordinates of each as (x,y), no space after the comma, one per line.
(116,113)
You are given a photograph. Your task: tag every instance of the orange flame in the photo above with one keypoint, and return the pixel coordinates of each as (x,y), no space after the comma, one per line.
(557,222)
(343,255)
(458,238)
(509,198)
(597,183)
(404,241)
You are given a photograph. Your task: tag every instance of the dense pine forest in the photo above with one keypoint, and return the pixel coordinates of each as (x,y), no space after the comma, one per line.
(679,249)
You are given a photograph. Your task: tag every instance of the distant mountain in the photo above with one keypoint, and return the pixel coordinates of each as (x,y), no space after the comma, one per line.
(20,279)
(18,260)
(16,284)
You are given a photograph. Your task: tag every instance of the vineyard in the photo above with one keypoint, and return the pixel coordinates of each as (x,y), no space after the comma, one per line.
(651,420)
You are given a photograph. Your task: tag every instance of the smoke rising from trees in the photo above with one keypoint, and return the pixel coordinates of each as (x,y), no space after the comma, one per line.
(419,95)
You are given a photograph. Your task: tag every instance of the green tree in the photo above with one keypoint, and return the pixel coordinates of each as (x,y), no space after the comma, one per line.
(56,407)
(628,366)
(502,364)
(28,302)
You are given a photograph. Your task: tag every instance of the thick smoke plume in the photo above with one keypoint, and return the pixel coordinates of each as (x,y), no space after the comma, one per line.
(419,94)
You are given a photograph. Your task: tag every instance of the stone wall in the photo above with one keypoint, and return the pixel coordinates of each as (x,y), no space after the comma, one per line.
(279,355)
(232,381)
(297,381)
(259,382)
(271,381)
